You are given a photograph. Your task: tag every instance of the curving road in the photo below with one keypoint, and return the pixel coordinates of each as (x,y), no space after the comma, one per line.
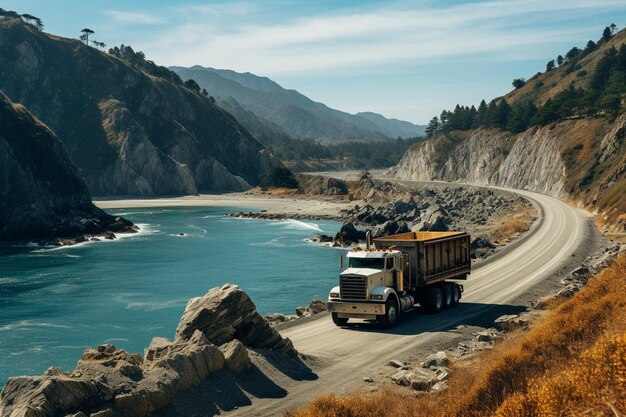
(346,355)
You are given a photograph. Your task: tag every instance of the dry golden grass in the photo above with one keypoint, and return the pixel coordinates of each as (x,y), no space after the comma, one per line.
(572,362)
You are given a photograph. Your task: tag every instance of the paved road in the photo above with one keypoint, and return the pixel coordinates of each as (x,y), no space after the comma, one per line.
(348,354)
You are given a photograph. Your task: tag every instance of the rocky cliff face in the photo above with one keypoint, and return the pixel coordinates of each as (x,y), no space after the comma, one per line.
(129,133)
(470,158)
(42,197)
(534,163)
(530,161)
(214,335)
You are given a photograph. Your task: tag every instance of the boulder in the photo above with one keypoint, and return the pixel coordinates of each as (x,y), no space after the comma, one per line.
(481,242)
(227,313)
(43,396)
(434,219)
(236,355)
(419,379)
(321,238)
(398,364)
(512,322)
(314,307)
(390,227)
(438,359)
(349,235)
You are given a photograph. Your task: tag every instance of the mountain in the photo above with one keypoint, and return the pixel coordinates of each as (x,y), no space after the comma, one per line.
(132,128)
(296,114)
(42,197)
(562,133)
(394,127)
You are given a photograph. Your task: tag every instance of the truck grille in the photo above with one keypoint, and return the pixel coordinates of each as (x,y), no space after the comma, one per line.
(353,288)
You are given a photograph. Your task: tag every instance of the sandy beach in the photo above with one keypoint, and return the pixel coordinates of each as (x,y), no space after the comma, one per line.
(304,205)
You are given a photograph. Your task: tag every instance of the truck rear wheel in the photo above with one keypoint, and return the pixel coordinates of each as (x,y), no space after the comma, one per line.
(456,294)
(388,320)
(434,300)
(446,290)
(339,321)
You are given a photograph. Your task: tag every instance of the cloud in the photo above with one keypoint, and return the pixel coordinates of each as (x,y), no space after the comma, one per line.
(135,18)
(220,35)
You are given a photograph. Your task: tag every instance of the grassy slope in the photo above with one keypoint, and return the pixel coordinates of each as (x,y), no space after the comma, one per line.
(571,362)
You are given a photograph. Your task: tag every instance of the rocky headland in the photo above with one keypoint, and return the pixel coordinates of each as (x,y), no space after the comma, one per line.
(220,337)
(42,196)
(131,128)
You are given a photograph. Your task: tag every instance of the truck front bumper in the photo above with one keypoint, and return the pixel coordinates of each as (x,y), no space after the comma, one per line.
(367,311)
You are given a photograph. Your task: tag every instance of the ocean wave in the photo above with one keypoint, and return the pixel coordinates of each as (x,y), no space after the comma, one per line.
(29,324)
(155,305)
(63,288)
(116,339)
(276,242)
(300,225)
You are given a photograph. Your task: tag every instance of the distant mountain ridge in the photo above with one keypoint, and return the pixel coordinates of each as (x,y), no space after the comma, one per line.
(297,115)
(128,131)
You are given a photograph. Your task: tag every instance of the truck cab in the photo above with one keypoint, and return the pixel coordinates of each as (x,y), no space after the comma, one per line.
(371,287)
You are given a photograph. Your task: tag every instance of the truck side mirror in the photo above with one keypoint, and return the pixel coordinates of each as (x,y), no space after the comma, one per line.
(341,261)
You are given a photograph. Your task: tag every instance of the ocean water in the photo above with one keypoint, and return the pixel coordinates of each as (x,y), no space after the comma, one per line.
(56,302)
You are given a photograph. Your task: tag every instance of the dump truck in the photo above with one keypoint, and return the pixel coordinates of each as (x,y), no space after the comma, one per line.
(400,273)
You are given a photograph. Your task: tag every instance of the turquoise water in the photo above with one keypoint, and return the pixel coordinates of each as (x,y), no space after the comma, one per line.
(56,302)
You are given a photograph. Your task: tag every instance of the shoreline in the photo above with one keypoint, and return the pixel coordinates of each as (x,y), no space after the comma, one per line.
(305,206)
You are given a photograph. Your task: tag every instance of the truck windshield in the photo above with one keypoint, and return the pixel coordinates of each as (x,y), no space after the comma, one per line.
(375,263)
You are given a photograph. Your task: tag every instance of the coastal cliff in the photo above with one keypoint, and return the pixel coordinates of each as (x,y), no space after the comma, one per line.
(129,132)
(42,196)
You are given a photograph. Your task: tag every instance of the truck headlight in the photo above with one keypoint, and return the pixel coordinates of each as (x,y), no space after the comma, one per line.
(376,297)
(334,295)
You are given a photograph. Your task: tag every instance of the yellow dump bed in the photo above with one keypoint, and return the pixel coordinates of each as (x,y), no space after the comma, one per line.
(433,256)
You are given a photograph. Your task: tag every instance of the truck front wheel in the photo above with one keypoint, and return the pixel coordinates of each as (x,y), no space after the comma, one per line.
(339,321)
(388,320)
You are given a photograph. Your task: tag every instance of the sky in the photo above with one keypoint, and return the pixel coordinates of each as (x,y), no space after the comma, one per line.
(404,59)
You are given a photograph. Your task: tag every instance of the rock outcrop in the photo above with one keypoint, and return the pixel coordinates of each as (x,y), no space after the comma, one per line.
(214,335)
(129,132)
(482,156)
(227,313)
(42,196)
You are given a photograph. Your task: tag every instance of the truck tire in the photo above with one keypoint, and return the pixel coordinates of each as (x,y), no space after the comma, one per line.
(434,300)
(339,321)
(388,320)
(456,294)
(446,291)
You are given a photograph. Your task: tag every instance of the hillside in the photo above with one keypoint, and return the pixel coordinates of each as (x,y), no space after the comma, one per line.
(572,143)
(42,197)
(129,132)
(296,114)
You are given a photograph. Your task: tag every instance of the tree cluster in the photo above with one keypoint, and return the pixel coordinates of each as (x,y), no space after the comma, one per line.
(138,60)
(26,18)
(575,54)
(379,154)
